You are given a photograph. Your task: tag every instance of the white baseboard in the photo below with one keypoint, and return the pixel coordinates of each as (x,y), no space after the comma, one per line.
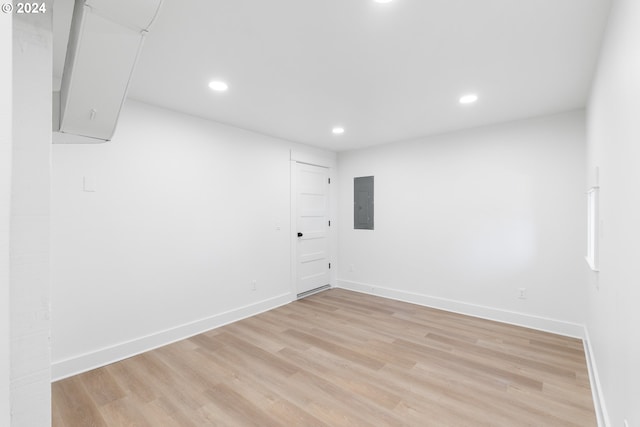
(88,361)
(559,327)
(594,379)
(85,362)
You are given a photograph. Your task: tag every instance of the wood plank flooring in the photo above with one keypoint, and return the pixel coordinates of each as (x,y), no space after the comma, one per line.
(341,358)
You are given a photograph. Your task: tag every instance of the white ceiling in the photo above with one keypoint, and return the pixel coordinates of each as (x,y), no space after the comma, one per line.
(385,72)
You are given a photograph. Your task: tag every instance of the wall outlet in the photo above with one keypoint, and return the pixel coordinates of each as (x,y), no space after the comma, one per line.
(254,285)
(522,293)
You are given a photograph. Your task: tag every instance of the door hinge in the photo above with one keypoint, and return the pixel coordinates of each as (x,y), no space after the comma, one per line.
(329,266)
(329,223)
(329,180)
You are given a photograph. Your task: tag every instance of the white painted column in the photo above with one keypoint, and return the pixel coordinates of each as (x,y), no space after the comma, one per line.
(5,212)
(30,386)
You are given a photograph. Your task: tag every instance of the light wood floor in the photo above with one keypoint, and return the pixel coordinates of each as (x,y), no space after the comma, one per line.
(340,358)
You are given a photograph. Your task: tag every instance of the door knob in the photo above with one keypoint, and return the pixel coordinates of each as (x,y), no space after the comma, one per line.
(300,234)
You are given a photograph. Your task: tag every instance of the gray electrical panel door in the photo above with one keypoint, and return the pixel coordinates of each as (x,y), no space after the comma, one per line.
(363,203)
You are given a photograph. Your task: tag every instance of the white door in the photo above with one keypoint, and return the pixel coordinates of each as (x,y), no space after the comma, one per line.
(312,221)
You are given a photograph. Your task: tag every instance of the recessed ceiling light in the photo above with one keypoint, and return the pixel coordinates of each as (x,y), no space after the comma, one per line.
(469,98)
(218,86)
(337,130)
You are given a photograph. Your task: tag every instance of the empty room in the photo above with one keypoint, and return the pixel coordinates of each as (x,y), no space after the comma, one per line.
(330,213)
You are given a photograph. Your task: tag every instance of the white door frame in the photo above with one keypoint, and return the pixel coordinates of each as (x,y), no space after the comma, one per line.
(326,160)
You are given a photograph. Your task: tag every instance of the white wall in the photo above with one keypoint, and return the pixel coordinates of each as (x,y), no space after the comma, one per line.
(614,147)
(463,220)
(6,41)
(29,244)
(183,219)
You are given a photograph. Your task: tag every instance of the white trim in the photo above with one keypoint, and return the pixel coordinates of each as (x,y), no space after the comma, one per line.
(559,327)
(591,264)
(593,228)
(95,359)
(293,224)
(594,379)
(314,157)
